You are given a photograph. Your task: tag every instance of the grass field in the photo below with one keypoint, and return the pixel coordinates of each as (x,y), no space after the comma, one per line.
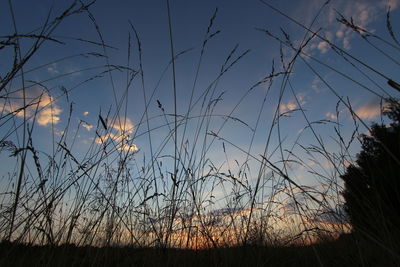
(173,168)
(342,252)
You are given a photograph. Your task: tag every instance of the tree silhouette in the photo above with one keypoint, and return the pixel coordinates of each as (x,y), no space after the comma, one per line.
(372,186)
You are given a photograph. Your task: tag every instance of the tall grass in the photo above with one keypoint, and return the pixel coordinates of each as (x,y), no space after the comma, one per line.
(173,190)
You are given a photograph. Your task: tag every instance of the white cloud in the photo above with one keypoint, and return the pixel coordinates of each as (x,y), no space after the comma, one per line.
(122,129)
(346,43)
(301,97)
(316,84)
(86,125)
(369,111)
(48,112)
(49,115)
(123,142)
(123,125)
(59,132)
(289,106)
(331,116)
(127,147)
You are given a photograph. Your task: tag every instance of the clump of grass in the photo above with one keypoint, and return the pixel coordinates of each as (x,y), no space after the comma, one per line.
(115,195)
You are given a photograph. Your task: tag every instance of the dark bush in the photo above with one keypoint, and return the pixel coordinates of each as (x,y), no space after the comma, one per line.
(372,185)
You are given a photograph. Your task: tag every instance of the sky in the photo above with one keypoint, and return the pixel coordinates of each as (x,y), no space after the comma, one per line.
(107,107)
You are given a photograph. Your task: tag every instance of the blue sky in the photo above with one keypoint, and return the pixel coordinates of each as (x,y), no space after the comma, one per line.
(237,22)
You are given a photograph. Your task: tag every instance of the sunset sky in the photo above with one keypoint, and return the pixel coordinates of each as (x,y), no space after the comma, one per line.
(239,23)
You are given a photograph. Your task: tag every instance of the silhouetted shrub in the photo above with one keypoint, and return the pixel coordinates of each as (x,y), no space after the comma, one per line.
(372,186)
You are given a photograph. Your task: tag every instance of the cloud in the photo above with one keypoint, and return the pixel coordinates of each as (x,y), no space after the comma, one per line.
(131,147)
(49,116)
(123,142)
(123,125)
(338,216)
(53,69)
(369,111)
(301,97)
(346,42)
(363,13)
(120,132)
(323,47)
(290,208)
(317,85)
(48,112)
(331,116)
(290,106)
(59,132)
(339,33)
(392,3)
(86,125)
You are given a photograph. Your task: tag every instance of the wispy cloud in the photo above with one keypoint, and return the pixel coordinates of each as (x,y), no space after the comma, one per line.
(363,13)
(53,69)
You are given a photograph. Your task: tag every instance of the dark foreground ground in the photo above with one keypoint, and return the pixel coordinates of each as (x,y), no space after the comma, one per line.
(343,252)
